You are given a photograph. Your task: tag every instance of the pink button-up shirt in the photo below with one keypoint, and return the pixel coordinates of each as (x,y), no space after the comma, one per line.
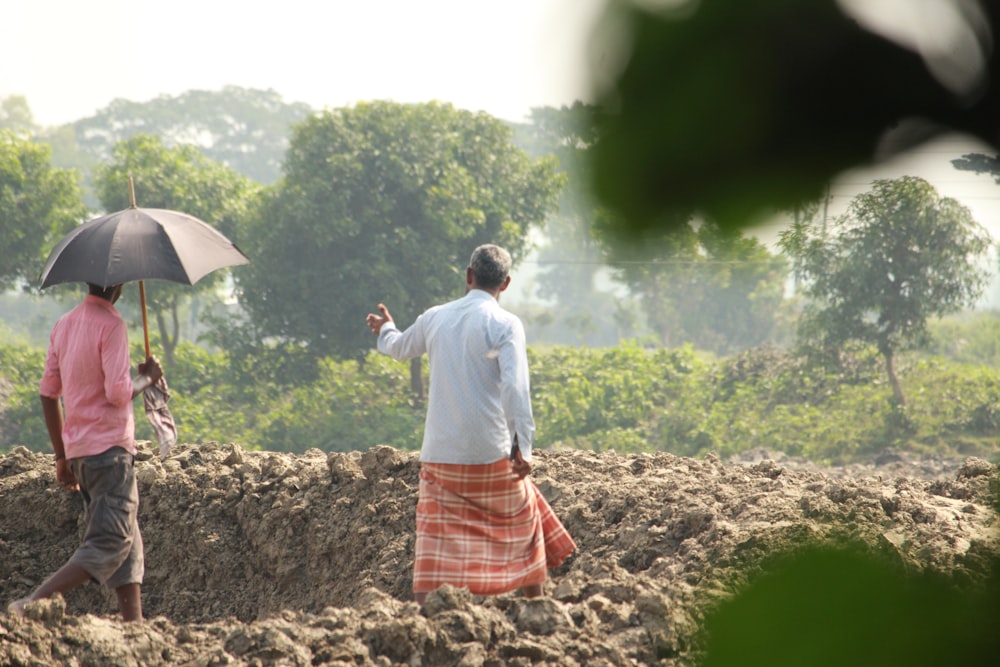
(88,365)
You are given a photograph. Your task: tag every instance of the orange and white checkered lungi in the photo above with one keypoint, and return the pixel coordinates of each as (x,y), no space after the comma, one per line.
(480,528)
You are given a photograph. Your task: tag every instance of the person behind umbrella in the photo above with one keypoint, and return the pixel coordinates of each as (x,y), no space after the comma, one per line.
(481,523)
(94,443)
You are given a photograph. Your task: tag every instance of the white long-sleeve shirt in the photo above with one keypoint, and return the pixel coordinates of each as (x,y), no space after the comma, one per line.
(480,395)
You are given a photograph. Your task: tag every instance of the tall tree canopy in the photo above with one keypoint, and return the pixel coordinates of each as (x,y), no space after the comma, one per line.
(15,115)
(243,128)
(384,202)
(38,204)
(899,256)
(572,252)
(579,308)
(699,284)
(183,179)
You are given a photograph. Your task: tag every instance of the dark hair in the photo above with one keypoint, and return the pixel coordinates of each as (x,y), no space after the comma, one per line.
(490,265)
(104,292)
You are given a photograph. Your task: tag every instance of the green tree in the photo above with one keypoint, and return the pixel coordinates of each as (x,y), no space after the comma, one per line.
(979,163)
(744,303)
(183,179)
(659,271)
(244,128)
(570,257)
(38,204)
(900,255)
(384,202)
(15,115)
(67,154)
(698,284)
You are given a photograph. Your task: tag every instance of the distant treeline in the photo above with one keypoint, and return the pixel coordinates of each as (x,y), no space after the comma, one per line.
(624,398)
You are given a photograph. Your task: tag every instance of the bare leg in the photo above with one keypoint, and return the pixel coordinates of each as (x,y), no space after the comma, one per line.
(532,591)
(130,601)
(63,580)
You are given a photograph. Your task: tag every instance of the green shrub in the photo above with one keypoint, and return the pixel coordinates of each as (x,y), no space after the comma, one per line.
(582,391)
(352,406)
(21,421)
(625,398)
(972,338)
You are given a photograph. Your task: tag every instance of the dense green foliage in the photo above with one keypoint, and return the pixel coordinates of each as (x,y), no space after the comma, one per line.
(244,128)
(608,398)
(624,398)
(827,605)
(38,204)
(719,290)
(21,420)
(972,338)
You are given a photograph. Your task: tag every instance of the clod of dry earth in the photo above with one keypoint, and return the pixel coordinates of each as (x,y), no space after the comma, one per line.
(262,558)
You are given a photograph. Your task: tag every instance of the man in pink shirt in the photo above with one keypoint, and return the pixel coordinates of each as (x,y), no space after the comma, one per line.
(93,436)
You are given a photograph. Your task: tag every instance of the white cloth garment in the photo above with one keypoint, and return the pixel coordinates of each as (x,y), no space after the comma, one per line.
(480,395)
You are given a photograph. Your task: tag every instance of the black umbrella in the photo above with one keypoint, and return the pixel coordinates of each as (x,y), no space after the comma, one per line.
(142,244)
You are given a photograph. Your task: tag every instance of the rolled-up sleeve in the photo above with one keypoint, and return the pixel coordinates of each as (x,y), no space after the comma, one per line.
(117,370)
(51,385)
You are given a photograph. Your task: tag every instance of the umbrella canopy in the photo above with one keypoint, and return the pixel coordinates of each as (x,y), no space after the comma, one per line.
(140,244)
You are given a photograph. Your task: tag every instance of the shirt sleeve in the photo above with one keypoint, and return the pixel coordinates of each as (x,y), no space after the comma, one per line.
(115,363)
(51,385)
(515,389)
(402,345)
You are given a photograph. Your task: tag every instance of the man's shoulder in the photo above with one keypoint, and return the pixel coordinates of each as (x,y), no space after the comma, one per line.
(77,312)
(460,303)
(94,313)
(489,308)
(499,319)
(499,312)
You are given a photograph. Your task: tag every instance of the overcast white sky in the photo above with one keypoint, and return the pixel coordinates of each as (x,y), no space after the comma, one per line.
(70,58)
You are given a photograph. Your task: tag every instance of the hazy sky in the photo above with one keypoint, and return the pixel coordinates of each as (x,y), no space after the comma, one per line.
(70,58)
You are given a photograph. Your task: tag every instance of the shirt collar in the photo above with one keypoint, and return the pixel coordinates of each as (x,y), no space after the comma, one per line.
(104,303)
(479,295)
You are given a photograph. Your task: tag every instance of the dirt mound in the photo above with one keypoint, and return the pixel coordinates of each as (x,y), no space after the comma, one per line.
(260,558)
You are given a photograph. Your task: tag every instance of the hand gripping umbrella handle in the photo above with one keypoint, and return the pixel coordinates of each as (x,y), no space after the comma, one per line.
(145,324)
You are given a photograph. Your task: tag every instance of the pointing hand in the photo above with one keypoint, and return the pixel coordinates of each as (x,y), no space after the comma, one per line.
(376,322)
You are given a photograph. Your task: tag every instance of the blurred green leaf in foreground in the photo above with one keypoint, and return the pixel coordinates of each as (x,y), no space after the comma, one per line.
(733,109)
(839,607)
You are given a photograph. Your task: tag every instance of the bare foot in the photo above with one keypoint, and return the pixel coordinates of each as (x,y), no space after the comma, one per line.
(16,608)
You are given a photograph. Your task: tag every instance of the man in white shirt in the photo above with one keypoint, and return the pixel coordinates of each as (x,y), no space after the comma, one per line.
(481,524)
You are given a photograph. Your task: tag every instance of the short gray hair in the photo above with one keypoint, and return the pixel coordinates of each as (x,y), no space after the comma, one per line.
(490,265)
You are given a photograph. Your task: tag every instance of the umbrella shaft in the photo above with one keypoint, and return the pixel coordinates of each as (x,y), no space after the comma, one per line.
(145,324)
